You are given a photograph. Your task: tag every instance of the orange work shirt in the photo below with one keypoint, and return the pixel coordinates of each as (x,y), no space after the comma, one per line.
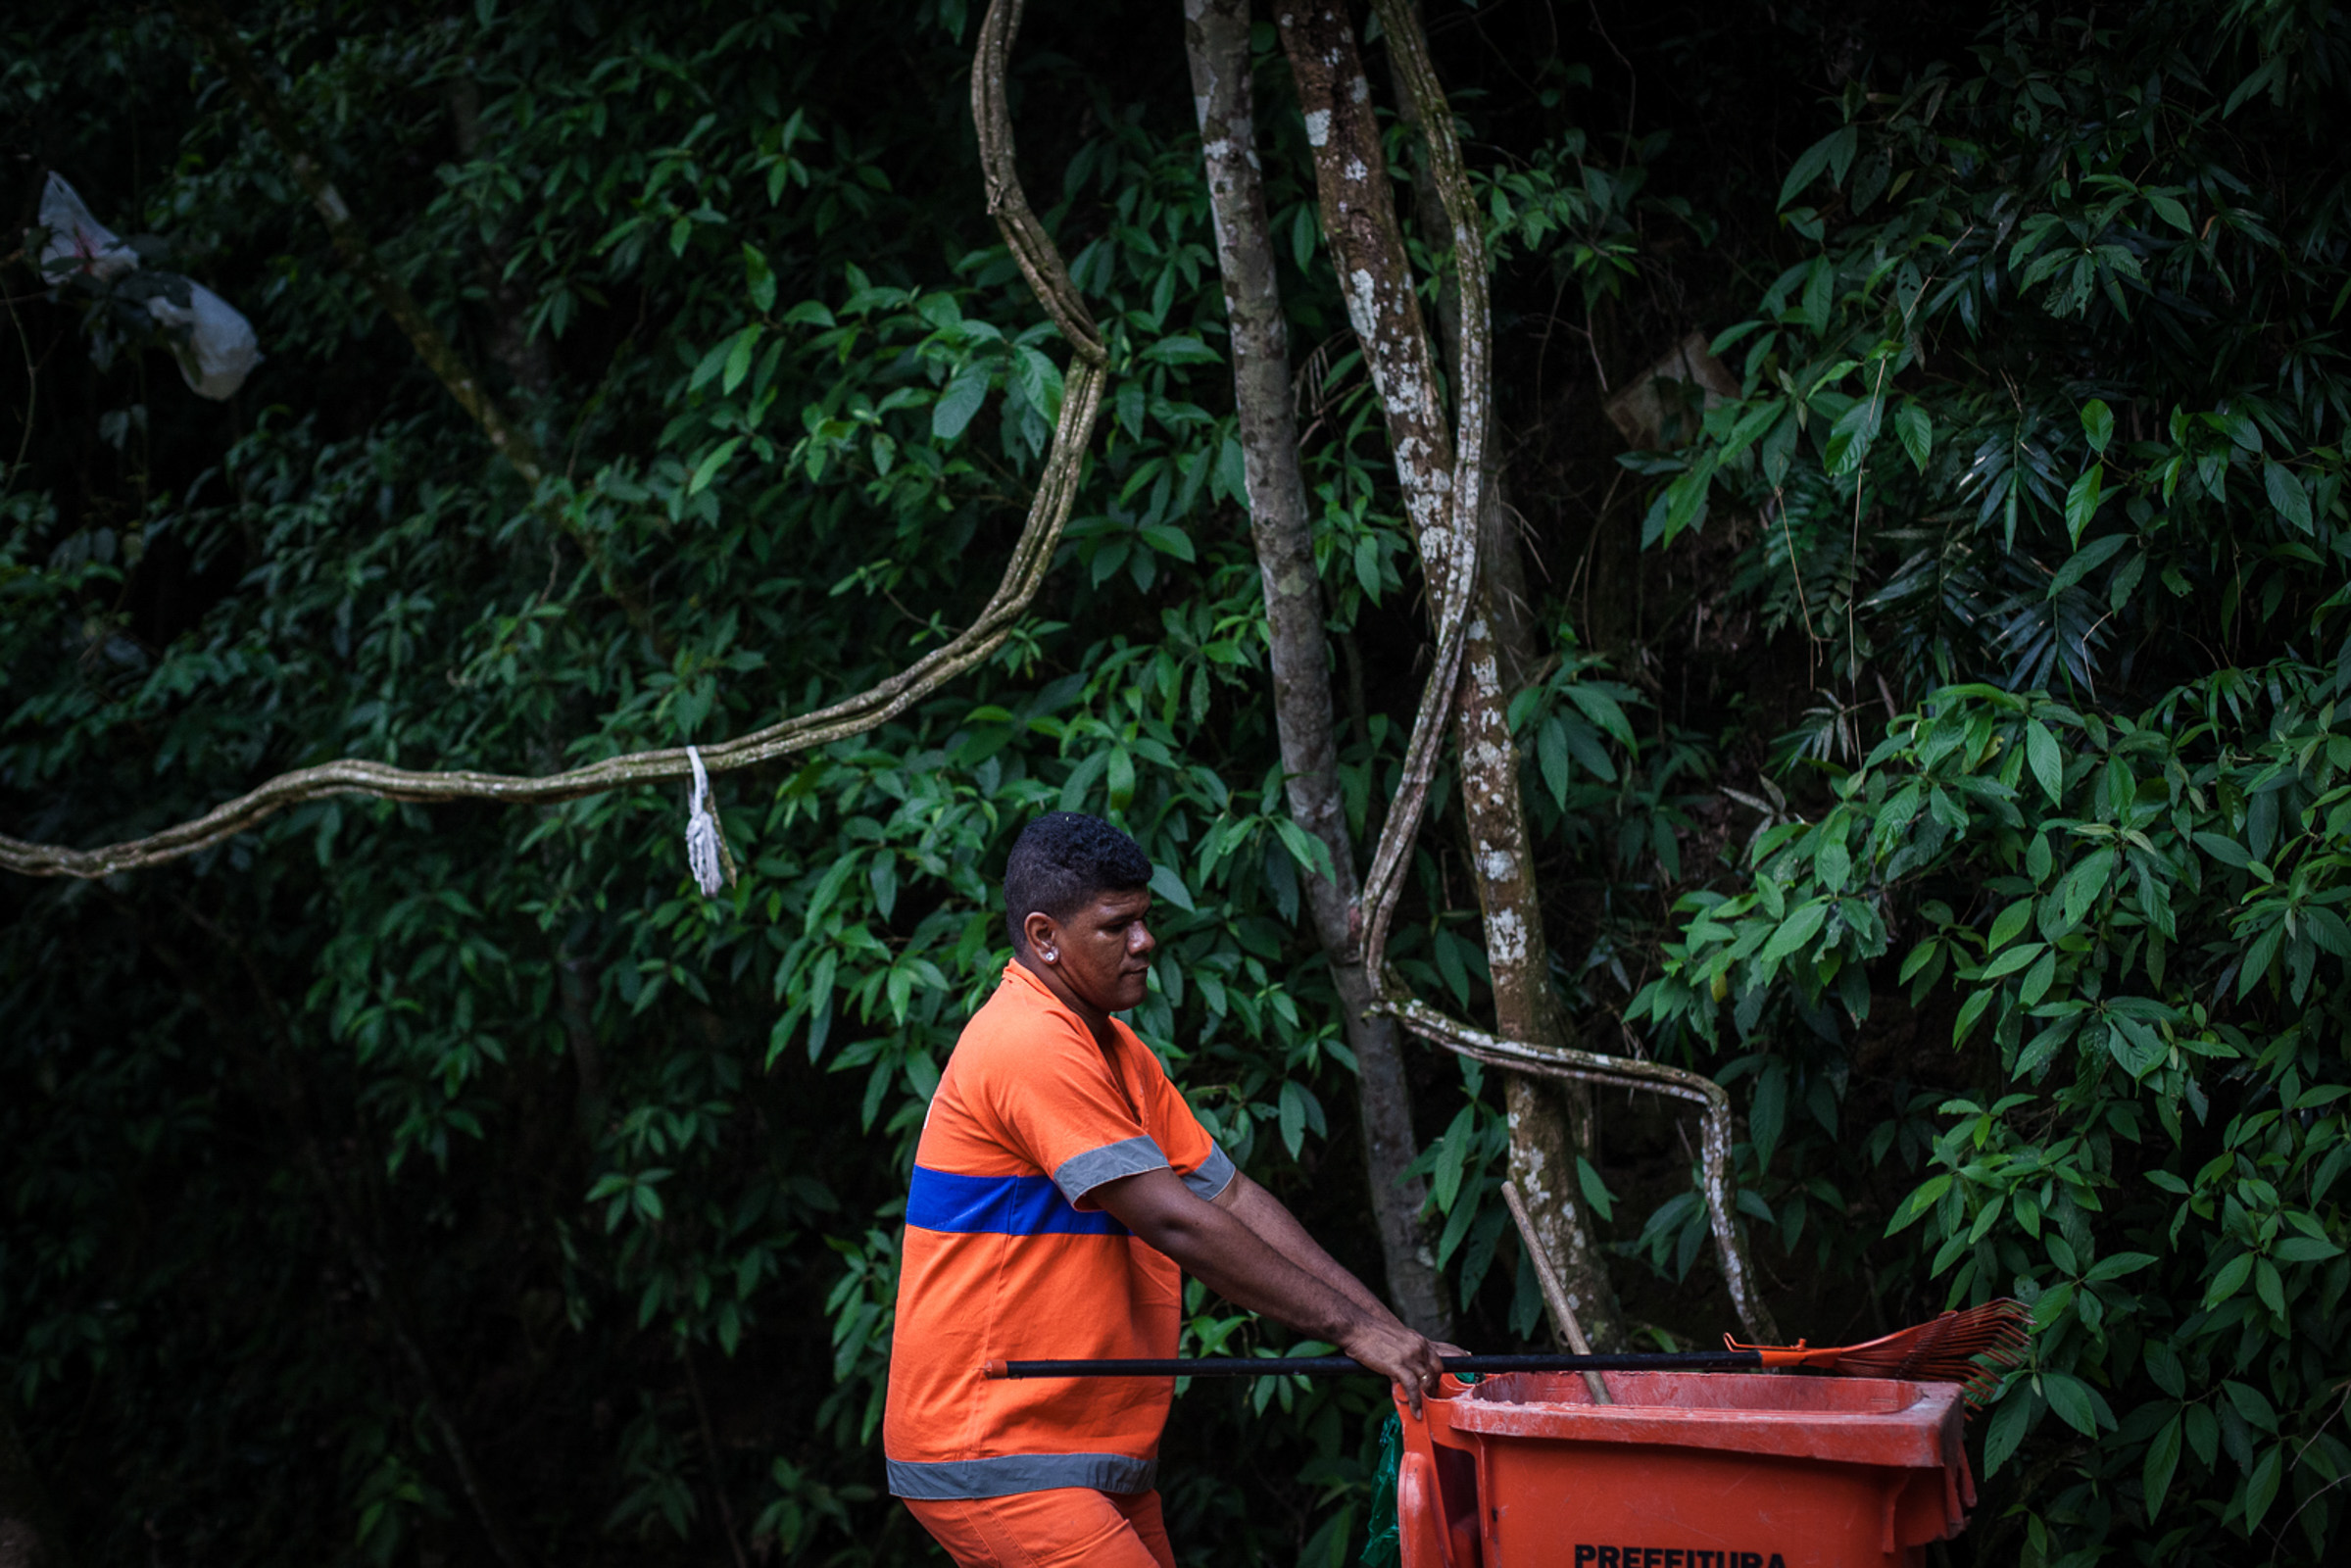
(1006,1258)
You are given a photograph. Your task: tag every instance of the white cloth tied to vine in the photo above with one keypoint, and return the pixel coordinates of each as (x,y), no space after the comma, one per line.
(706,854)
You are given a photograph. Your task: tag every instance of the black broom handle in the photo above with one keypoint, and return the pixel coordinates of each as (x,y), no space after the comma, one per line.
(1323,1366)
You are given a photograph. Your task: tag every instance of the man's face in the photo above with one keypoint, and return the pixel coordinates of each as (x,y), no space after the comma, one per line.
(1103,951)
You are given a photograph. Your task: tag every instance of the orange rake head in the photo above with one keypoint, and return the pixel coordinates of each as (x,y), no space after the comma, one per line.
(1970,1349)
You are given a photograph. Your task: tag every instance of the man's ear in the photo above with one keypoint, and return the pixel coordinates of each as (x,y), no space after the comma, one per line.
(1043,934)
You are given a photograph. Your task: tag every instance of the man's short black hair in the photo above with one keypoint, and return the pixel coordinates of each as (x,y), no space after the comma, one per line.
(1061,862)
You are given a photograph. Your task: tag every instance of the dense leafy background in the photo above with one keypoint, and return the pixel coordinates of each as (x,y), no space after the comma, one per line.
(1937,741)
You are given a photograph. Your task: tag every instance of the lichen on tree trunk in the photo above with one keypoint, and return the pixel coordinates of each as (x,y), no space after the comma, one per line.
(1216,40)
(1359,217)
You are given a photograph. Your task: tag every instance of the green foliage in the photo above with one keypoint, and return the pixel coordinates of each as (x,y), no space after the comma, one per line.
(2137,919)
(2091,308)
(2135,298)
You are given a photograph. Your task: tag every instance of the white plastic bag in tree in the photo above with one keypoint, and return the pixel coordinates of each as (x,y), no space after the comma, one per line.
(79,242)
(210,338)
(217,348)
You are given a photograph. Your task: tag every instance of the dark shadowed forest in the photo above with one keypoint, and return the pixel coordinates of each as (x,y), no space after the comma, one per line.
(1898,448)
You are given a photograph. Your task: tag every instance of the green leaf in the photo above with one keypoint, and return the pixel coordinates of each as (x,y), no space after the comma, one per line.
(1039,380)
(1183,349)
(2009,925)
(1166,884)
(1118,782)
(1604,710)
(1550,754)
(1309,852)
(2203,1432)
(1969,1011)
(1908,1212)
(2260,1488)
(2084,883)
(2269,1286)
(707,469)
(1682,505)
(2163,1365)
(2007,1429)
(2082,501)
(1596,1190)
(2070,1398)
(2135,1048)
(1232,472)
(2097,424)
(1809,163)
(2286,494)
(1168,540)
(2225,850)
(711,364)
(2048,762)
(1803,922)
(1293,1117)
(2088,558)
(2163,1458)
(1853,435)
(2253,1405)
(958,402)
(2228,1281)
(1916,431)
(738,362)
(759,278)
(2009,962)
(1582,743)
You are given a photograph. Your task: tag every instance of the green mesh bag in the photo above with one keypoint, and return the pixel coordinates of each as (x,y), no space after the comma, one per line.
(1385,1548)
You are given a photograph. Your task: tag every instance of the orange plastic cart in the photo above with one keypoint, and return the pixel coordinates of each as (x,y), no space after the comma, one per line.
(1684,1470)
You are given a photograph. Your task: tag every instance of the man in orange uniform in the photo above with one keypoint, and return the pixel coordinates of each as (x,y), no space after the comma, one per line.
(1060,1187)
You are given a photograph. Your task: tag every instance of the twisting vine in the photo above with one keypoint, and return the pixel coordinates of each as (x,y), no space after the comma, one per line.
(1400,20)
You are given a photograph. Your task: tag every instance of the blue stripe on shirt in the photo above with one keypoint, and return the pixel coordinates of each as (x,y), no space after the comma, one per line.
(999,1205)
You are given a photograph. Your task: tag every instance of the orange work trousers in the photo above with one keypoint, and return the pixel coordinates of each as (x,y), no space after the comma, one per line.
(1068,1527)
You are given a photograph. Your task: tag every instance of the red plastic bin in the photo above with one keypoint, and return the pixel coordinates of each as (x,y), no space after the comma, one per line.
(1684,1470)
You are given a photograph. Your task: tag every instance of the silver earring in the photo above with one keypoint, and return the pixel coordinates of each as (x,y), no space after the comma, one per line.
(1052,955)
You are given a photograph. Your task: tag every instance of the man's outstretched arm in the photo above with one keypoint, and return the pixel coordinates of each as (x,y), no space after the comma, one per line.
(1226,1252)
(1279,1229)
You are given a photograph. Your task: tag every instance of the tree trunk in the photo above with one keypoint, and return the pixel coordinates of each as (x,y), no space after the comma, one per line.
(1359,217)
(1551,1122)
(1217,39)
(1503,567)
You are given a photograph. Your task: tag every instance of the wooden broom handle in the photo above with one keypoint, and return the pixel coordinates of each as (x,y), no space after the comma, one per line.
(1555,1296)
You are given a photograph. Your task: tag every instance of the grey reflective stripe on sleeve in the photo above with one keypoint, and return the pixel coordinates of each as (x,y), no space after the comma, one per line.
(1214,1175)
(1081,1173)
(1011,1473)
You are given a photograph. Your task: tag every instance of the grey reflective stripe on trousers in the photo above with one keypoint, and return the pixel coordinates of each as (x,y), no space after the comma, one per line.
(1010,1473)
(1129,1156)
(1214,1175)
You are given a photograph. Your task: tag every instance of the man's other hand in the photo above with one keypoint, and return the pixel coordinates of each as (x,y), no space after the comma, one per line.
(1403,1357)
